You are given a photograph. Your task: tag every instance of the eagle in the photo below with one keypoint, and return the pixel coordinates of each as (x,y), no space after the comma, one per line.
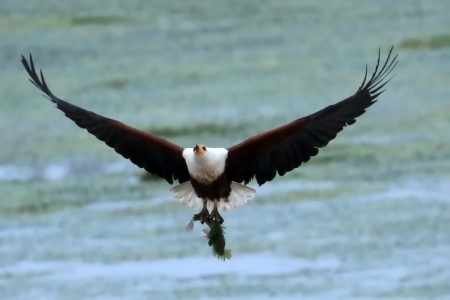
(216,178)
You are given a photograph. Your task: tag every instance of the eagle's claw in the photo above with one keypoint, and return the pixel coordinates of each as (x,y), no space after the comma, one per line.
(215,216)
(203,216)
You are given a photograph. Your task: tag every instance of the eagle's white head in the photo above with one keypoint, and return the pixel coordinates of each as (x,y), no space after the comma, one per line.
(199,149)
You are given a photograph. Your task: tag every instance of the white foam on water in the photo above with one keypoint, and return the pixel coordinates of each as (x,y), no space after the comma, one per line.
(175,268)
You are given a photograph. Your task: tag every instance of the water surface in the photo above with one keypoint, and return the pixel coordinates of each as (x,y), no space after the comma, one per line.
(367,218)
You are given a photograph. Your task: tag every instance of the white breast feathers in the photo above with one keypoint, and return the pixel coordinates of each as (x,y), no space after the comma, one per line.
(208,166)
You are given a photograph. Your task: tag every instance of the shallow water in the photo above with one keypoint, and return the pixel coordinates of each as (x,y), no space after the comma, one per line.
(367,218)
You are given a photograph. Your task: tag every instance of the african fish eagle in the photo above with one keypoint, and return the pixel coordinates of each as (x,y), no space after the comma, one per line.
(216,178)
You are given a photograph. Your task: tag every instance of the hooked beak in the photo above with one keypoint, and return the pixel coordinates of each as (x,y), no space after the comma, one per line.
(199,149)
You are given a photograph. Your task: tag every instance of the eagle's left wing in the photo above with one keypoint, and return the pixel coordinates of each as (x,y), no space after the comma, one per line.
(287,147)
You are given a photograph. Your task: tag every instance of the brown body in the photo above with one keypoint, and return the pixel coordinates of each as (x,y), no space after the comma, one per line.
(218,189)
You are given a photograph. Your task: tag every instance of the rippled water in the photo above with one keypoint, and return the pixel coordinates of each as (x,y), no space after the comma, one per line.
(367,218)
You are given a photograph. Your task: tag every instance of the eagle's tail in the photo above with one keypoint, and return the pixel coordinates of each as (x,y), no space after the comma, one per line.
(239,196)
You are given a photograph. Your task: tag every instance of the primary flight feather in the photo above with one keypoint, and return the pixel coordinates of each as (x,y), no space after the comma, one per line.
(217,177)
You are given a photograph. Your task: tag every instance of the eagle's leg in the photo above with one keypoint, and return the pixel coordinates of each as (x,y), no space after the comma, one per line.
(203,215)
(215,214)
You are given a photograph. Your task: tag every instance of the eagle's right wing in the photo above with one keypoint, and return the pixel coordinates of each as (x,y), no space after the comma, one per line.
(156,155)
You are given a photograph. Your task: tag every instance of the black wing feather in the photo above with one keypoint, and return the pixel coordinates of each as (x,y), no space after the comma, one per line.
(284,148)
(156,155)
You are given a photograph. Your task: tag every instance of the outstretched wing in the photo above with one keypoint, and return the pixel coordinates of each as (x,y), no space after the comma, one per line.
(156,155)
(287,147)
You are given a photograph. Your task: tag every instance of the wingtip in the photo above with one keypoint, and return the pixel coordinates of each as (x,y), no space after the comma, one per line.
(378,77)
(37,80)
(365,78)
(31,62)
(24,62)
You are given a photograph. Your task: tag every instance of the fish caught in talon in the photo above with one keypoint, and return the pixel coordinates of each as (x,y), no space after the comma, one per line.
(216,239)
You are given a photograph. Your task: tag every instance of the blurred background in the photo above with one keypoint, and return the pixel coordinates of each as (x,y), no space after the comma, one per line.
(367,218)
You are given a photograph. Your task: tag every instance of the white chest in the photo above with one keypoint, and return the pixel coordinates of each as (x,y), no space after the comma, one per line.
(208,166)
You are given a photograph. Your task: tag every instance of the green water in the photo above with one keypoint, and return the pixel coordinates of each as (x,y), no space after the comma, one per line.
(367,218)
